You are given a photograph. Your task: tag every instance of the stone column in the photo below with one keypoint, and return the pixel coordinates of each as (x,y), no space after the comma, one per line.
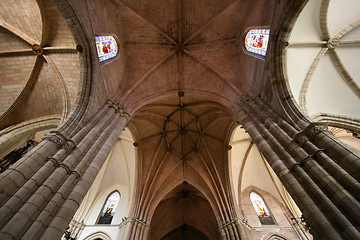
(48,185)
(316,169)
(135,229)
(230,230)
(125,228)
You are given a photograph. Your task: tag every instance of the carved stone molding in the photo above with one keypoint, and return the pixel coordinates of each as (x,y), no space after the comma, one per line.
(69,145)
(120,110)
(246,106)
(142,224)
(314,154)
(300,138)
(305,159)
(233,223)
(55,137)
(339,121)
(64,166)
(60,140)
(133,221)
(310,132)
(314,129)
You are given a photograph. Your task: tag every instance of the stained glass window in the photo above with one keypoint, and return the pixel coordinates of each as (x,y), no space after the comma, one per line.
(261,209)
(256,41)
(109,208)
(107,47)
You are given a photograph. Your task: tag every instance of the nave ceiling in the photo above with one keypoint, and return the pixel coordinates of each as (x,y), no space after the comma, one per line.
(181,74)
(181,145)
(191,46)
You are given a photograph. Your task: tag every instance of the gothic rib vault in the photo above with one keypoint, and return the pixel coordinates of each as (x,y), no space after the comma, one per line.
(181,83)
(320,60)
(181,145)
(168,47)
(49,76)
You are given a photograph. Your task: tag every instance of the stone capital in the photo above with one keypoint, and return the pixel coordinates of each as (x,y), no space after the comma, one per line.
(245,106)
(314,129)
(300,138)
(69,145)
(120,111)
(60,140)
(55,137)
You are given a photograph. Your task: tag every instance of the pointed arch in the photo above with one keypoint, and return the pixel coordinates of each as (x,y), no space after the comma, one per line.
(261,209)
(186,232)
(108,210)
(98,235)
(179,210)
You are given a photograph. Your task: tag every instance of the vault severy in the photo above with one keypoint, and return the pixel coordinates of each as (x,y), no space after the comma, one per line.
(320,53)
(168,46)
(181,142)
(40,63)
(181,138)
(182,123)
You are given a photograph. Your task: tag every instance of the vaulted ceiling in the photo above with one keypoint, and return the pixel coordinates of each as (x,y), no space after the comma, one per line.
(191,46)
(181,73)
(322,72)
(181,139)
(39,63)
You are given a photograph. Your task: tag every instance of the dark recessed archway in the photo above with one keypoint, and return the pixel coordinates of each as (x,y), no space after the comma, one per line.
(184,213)
(185,232)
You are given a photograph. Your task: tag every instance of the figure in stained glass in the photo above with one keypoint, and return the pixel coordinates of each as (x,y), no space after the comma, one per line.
(107,47)
(256,41)
(109,208)
(261,210)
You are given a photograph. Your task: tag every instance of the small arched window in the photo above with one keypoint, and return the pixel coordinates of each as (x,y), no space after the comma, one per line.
(107,47)
(109,208)
(256,41)
(261,209)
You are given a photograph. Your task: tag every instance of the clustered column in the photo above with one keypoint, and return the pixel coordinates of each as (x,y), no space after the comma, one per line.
(133,228)
(233,230)
(320,173)
(41,192)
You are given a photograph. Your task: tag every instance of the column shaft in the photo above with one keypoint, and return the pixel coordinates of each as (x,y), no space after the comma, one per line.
(309,208)
(326,192)
(46,200)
